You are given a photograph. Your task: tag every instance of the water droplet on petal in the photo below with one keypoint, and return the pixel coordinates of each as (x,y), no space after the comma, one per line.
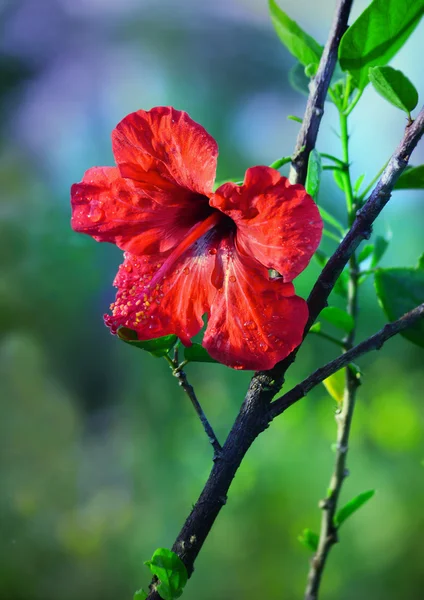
(186,271)
(232,278)
(250,325)
(212,251)
(96,214)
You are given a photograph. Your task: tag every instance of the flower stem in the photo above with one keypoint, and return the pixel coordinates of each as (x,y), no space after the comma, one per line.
(329,529)
(328,337)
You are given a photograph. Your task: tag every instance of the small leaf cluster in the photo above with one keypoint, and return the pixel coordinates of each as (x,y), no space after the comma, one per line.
(171,573)
(364,51)
(310,539)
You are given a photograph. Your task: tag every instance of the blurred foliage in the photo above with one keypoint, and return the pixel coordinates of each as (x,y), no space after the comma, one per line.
(101,454)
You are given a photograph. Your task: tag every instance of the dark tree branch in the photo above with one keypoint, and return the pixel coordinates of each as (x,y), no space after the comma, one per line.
(315,107)
(375,342)
(255,414)
(250,422)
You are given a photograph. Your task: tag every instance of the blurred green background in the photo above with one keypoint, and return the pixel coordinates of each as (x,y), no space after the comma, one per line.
(101,453)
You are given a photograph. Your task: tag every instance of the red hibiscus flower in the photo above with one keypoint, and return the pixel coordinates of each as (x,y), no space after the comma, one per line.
(191,252)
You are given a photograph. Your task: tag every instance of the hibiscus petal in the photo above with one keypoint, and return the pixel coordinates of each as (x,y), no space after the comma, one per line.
(277,223)
(164,147)
(254,321)
(156,299)
(139,218)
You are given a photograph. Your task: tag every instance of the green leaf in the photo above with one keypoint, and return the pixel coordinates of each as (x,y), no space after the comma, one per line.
(421,262)
(140,595)
(170,570)
(313,177)
(338,317)
(400,290)
(358,184)
(157,347)
(380,246)
(311,70)
(366,252)
(394,87)
(351,507)
(335,385)
(411,179)
(298,79)
(338,178)
(377,35)
(315,328)
(196,353)
(310,539)
(294,118)
(327,218)
(297,41)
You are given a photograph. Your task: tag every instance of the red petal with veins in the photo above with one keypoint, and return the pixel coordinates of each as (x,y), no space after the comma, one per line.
(139,218)
(157,297)
(254,321)
(165,147)
(277,223)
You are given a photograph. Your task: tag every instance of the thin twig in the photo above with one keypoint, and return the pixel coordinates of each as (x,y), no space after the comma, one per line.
(375,342)
(188,388)
(315,107)
(328,337)
(177,371)
(328,531)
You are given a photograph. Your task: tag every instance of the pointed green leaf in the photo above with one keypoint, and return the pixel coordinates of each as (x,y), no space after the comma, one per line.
(335,385)
(338,317)
(338,178)
(298,79)
(351,507)
(140,595)
(315,328)
(196,353)
(380,246)
(411,179)
(297,41)
(310,539)
(358,184)
(171,572)
(294,118)
(394,87)
(366,252)
(400,290)
(157,347)
(377,35)
(313,177)
(420,264)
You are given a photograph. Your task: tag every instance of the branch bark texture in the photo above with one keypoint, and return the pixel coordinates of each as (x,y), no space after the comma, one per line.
(315,107)
(374,342)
